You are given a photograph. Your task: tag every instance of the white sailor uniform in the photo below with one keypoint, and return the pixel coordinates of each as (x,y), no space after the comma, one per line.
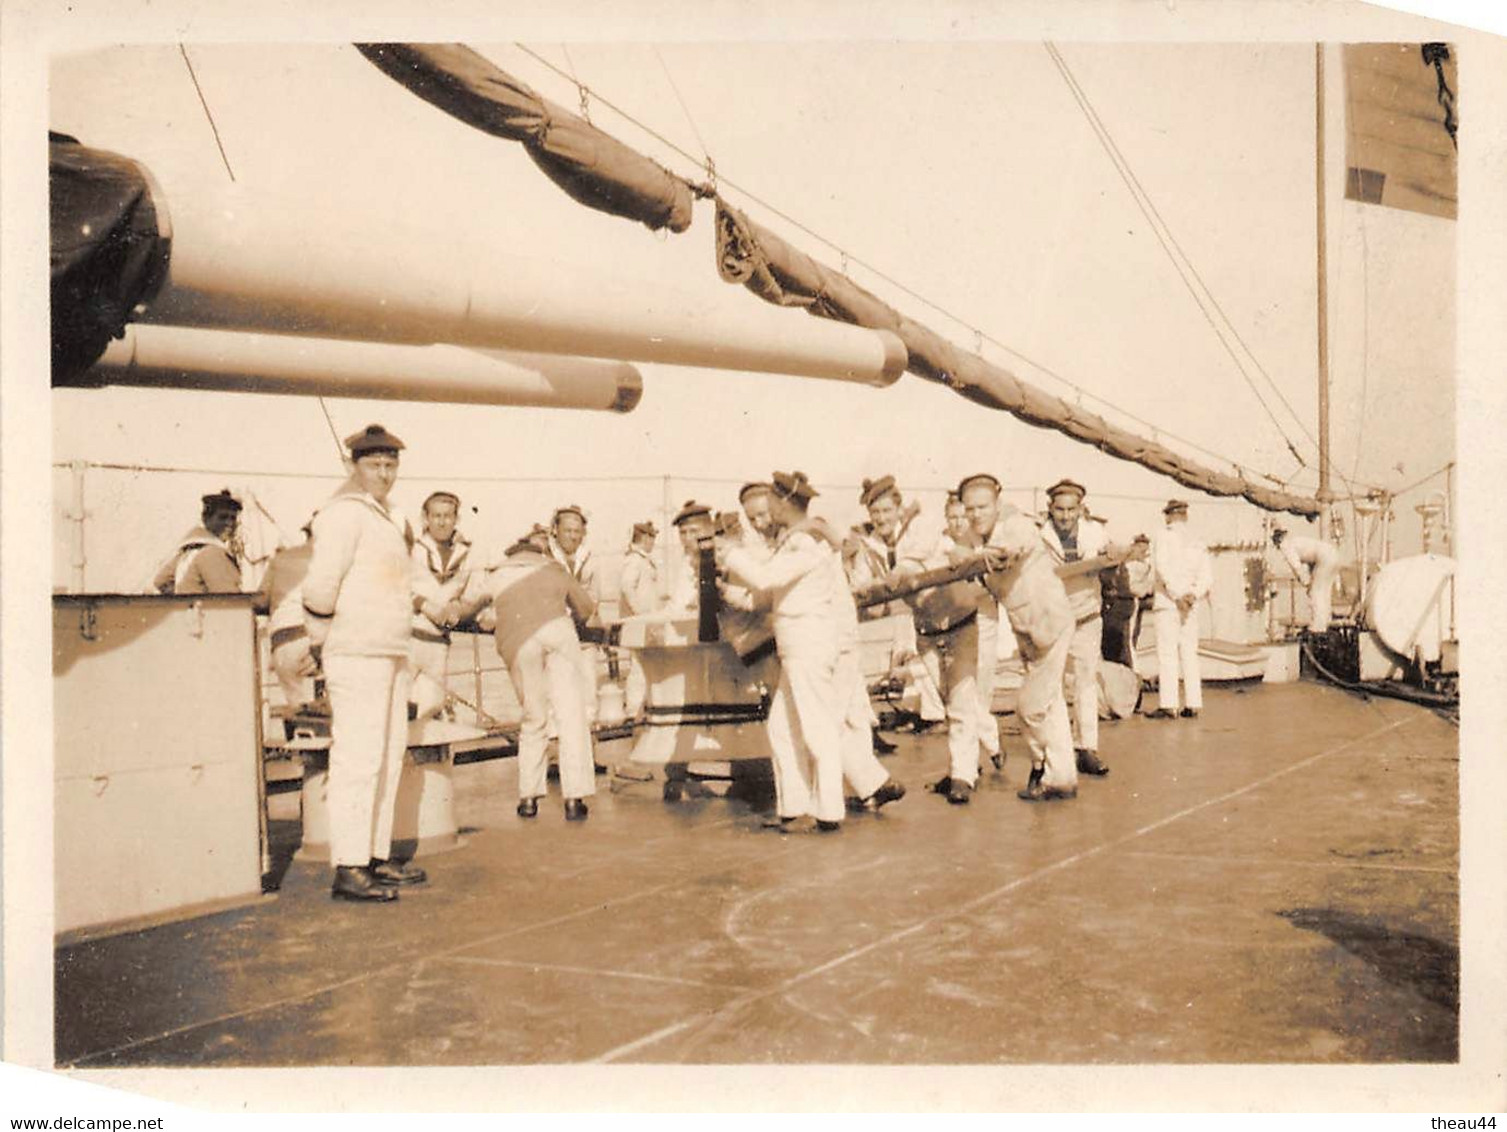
(1037,607)
(803,721)
(1315,562)
(359,597)
(431,642)
(638,592)
(1184,575)
(1086,597)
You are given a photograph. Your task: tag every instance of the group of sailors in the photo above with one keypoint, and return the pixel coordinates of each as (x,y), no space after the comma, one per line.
(370,603)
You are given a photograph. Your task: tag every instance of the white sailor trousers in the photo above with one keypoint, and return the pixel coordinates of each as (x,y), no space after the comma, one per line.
(1321,595)
(635,685)
(586,660)
(1082,676)
(988,726)
(431,660)
(547,675)
(291,663)
(1177,655)
(1043,711)
(954,656)
(369,737)
(864,772)
(805,738)
(925,673)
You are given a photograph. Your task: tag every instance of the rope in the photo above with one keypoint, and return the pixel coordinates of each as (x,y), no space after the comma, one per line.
(582,93)
(204,103)
(110,467)
(711,168)
(701,191)
(1443,705)
(1154,218)
(1365,339)
(1424,480)
(1160,229)
(335,436)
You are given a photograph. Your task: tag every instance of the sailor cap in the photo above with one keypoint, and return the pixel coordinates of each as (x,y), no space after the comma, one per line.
(569,509)
(978,477)
(1066,487)
(221,500)
(1175,507)
(373,438)
(442,497)
(793,485)
(537,539)
(645,528)
(875,490)
(689,511)
(751,489)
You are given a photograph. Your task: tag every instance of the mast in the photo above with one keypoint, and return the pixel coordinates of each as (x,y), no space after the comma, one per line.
(1324,495)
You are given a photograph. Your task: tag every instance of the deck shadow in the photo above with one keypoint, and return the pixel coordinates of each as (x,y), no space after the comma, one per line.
(1405,959)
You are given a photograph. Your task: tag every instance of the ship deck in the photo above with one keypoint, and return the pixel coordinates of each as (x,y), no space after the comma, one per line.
(1276,881)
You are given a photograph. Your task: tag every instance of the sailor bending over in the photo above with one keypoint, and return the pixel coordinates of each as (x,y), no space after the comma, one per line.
(1022,578)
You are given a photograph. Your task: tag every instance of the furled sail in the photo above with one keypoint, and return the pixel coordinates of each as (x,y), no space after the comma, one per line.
(594,168)
(778,273)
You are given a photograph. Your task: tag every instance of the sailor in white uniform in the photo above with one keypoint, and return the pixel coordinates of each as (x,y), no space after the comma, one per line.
(693,525)
(959,536)
(204,561)
(1315,562)
(873,788)
(359,597)
(1071,536)
(280,596)
(638,587)
(566,538)
(871,553)
(446,553)
(1184,576)
(798,579)
(947,640)
(1024,581)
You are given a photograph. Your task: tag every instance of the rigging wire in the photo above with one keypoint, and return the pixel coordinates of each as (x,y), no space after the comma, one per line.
(878,273)
(187,62)
(271,474)
(1419,483)
(1159,228)
(686,110)
(582,92)
(335,436)
(1365,340)
(1154,218)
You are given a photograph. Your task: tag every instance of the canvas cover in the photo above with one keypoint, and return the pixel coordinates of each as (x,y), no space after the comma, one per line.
(109,249)
(751,255)
(593,168)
